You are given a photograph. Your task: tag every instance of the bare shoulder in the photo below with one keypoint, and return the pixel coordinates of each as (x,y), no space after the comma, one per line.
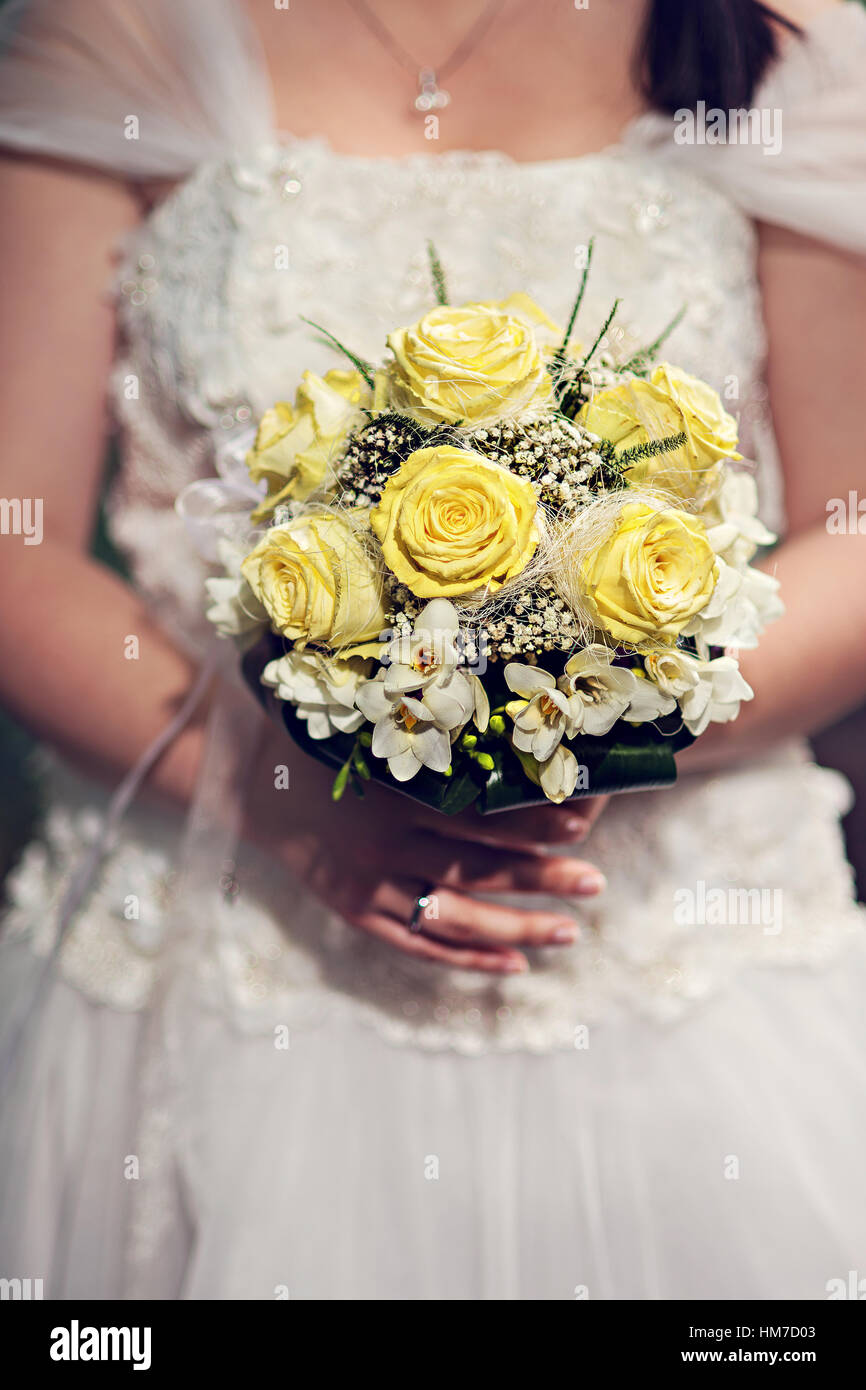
(29,182)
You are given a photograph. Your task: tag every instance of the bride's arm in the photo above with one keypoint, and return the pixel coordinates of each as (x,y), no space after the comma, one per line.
(64,618)
(810,667)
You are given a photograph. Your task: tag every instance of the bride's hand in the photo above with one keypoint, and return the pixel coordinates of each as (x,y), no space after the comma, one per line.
(370,859)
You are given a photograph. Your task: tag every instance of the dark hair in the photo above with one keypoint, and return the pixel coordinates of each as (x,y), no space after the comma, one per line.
(706,50)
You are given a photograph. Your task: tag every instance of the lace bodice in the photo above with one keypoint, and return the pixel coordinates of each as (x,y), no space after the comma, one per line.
(211,291)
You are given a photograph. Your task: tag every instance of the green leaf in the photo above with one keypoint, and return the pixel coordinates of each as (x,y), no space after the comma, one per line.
(365,368)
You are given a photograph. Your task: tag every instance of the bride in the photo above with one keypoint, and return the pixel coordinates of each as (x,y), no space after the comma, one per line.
(230,1069)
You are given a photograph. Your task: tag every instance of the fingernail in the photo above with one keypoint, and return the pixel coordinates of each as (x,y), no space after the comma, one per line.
(563,936)
(514,967)
(590,882)
(577,827)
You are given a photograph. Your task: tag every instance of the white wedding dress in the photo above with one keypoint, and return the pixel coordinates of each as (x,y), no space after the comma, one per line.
(221,1092)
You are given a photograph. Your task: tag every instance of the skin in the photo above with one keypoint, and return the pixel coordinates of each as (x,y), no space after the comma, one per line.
(567,81)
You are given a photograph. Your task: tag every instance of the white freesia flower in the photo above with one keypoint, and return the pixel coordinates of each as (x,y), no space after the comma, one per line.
(235,611)
(559,774)
(744,600)
(602,693)
(452,702)
(760,604)
(743,603)
(321,688)
(405,731)
(707,691)
(734,529)
(428,653)
(648,701)
(481,711)
(716,697)
(543,715)
(675,672)
(427,660)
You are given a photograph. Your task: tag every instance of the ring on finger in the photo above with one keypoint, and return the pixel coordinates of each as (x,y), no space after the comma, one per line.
(422,902)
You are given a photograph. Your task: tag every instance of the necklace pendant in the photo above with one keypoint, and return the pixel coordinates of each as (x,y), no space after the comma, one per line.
(431,97)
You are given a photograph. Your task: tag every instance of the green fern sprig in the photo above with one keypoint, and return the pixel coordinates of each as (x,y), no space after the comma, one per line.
(440,289)
(560,355)
(604,327)
(651,449)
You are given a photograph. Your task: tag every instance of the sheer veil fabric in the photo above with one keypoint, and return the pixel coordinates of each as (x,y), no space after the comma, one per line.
(189,74)
(664,1111)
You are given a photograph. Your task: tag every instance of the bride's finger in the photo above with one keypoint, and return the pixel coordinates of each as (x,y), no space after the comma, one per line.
(421,947)
(493,869)
(455,917)
(452,916)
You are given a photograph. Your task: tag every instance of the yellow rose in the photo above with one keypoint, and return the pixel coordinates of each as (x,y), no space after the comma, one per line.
(711,430)
(474,363)
(450,522)
(653,573)
(295,445)
(317,581)
(522,306)
(671,402)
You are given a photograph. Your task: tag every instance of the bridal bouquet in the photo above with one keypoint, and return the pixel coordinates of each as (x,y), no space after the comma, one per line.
(498,566)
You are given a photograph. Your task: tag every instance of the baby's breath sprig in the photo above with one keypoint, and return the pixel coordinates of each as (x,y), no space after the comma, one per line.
(376,450)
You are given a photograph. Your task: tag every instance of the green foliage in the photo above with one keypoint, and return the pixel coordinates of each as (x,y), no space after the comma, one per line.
(365,368)
(604,327)
(643,359)
(440,289)
(560,357)
(651,449)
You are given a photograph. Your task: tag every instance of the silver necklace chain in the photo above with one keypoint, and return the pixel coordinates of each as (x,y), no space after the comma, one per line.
(431,96)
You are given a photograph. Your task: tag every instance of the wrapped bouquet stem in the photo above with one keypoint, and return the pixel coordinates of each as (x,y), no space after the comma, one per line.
(494,568)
